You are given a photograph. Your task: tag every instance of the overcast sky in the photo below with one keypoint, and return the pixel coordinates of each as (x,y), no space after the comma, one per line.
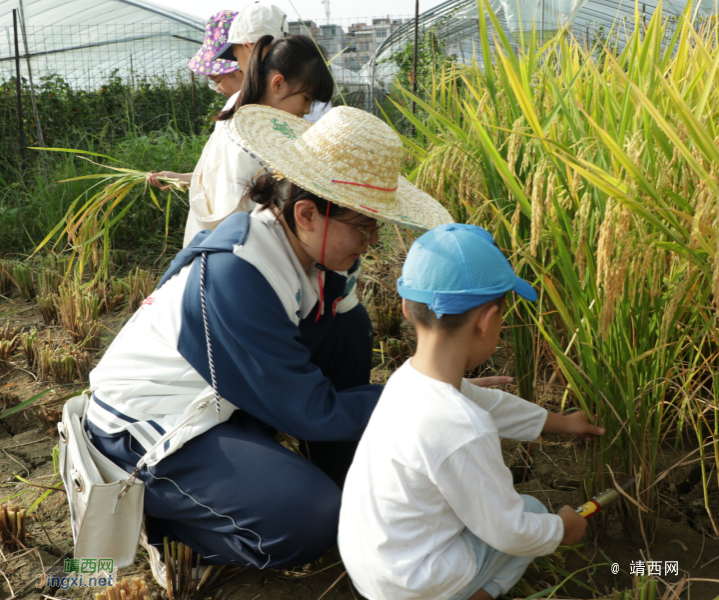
(341,11)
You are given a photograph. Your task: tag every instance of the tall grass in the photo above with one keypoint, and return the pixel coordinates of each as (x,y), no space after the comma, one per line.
(597,168)
(31,207)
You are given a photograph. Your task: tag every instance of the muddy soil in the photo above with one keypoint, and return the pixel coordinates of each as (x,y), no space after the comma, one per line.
(553,473)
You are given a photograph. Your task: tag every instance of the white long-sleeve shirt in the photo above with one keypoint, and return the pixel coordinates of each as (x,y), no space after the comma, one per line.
(220,178)
(428,466)
(222,174)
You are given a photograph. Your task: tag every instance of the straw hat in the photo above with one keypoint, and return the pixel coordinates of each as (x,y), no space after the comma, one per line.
(349,157)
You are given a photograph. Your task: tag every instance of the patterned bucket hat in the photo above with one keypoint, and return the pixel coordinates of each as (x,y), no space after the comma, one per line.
(215,38)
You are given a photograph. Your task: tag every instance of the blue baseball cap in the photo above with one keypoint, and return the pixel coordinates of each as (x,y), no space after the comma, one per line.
(456,267)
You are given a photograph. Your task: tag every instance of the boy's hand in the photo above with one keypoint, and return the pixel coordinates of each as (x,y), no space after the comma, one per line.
(575,424)
(574,525)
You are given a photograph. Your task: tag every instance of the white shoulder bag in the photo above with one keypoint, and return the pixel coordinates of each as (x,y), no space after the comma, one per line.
(106,502)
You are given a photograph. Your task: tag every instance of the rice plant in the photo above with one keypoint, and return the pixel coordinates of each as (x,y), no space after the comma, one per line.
(13,533)
(111,294)
(64,364)
(598,175)
(79,309)
(48,281)
(126,589)
(49,417)
(47,305)
(88,222)
(6,282)
(140,284)
(7,399)
(8,332)
(30,348)
(119,259)
(186,579)
(22,275)
(9,341)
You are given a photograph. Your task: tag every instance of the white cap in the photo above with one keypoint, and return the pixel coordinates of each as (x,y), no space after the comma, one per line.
(257,20)
(253,22)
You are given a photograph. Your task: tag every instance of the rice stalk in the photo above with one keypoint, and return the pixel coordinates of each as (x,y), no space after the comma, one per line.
(47,305)
(7,351)
(6,282)
(30,348)
(79,311)
(140,284)
(111,294)
(49,417)
(48,281)
(7,399)
(597,175)
(178,559)
(57,365)
(23,277)
(13,533)
(126,589)
(119,259)
(8,332)
(87,224)
(9,341)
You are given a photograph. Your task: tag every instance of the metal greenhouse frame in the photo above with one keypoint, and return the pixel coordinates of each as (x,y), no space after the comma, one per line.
(456,24)
(85,41)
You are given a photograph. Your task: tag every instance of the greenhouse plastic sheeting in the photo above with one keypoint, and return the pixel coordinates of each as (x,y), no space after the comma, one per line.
(455,23)
(85,41)
(545,15)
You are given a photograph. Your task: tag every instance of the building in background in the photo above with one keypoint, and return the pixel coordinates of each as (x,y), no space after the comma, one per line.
(332,38)
(349,46)
(303,28)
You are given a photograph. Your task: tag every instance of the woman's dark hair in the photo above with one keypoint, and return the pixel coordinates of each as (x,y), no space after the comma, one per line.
(298,59)
(268,192)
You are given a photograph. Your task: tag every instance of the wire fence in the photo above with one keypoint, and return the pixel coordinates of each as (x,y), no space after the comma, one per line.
(85,55)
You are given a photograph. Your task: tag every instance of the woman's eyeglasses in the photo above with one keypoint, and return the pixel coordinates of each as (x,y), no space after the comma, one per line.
(215,84)
(365,231)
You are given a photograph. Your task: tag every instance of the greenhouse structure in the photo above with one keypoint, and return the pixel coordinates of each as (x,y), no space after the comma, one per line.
(85,41)
(455,23)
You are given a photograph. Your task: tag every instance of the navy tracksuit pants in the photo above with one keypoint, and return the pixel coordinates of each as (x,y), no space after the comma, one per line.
(235,495)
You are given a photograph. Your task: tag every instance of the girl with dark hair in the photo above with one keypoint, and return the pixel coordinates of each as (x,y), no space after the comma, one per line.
(284,73)
(254,329)
(225,77)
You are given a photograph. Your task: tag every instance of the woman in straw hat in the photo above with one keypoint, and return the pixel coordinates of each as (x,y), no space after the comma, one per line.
(255,329)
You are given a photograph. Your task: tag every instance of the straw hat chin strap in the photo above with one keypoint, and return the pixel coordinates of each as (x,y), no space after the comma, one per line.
(321,266)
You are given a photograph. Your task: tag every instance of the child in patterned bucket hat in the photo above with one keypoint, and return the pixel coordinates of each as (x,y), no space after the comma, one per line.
(204,63)
(429,510)
(226,76)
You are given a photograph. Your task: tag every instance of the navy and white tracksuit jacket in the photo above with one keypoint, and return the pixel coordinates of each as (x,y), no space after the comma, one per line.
(229,490)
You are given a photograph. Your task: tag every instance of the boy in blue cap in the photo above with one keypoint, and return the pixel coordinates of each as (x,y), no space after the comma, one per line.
(429,510)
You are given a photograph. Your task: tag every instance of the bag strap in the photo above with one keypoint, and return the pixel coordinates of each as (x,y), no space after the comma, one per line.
(213,379)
